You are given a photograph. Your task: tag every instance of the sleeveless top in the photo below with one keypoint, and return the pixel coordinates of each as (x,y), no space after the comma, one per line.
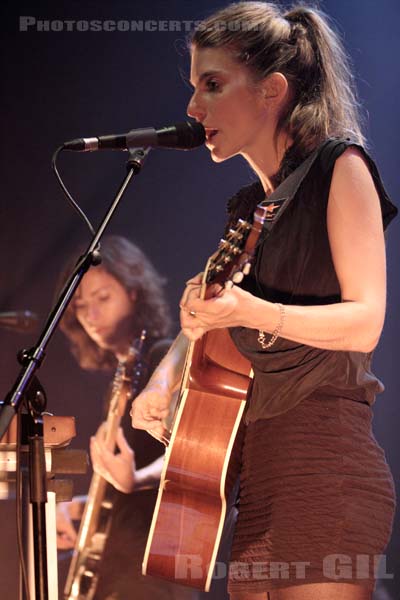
(294,265)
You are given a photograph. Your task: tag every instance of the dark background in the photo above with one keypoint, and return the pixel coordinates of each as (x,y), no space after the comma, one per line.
(62,85)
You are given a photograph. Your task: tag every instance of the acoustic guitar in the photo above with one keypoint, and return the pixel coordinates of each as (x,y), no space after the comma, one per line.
(199,466)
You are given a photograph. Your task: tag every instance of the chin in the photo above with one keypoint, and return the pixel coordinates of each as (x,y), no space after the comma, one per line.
(219,157)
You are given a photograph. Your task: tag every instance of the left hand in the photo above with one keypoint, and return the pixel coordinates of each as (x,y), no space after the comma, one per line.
(226,309)
(66,532)
(117,469)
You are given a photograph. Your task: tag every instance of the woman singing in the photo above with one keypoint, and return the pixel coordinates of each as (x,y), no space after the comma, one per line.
(316,496)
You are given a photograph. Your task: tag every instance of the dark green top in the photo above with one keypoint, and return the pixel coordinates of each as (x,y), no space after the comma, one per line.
(294,265)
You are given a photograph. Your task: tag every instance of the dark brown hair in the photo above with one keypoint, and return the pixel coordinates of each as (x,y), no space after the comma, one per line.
(127,263)
(302,45)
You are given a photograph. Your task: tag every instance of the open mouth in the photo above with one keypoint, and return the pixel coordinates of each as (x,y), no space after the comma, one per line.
(210,134)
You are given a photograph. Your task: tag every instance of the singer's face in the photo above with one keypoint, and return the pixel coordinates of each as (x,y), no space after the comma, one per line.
(228,102)
(104,308)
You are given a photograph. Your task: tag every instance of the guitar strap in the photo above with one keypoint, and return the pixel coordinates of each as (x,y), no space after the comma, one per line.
(279,200)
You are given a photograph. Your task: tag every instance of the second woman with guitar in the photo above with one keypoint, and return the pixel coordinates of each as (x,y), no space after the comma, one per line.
(118,321)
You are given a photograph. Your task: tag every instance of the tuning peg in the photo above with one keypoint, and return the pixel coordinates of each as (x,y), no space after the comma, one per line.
(245,224)
(237,277)
(228,284)
(246,268)
(236,234)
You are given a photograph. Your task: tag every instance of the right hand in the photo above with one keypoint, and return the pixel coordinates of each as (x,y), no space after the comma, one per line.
(118,469)
(66,532)
(150,409)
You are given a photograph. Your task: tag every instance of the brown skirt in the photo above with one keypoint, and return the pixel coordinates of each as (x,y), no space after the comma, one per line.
(316,499)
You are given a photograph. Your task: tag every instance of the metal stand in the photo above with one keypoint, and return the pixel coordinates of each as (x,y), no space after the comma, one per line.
(46,547)
(27,385)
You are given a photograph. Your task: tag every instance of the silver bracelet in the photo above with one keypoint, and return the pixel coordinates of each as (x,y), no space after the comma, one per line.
(277,331)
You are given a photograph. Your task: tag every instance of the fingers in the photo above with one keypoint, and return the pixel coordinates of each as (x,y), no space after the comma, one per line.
(194,333)
(66,533)
(196,280)
(199,312)
(160,433)
(192,289)
(101,432)
(190,293)
(123,445)
(117,469)
(147,419)
(95,454)
(100,459)
(148,410)
(220,310)
(65,542)
(104,460)
(100,455)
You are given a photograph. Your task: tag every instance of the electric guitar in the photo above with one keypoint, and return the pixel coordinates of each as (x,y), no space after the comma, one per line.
(83,574)
(199,466)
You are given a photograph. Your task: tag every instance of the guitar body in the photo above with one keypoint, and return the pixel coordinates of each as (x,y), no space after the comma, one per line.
(199,468)
(83,574)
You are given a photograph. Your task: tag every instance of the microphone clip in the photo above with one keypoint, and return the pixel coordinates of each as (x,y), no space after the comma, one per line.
(137,158)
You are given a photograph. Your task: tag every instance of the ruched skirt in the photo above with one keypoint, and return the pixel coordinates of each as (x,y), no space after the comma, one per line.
(316,499)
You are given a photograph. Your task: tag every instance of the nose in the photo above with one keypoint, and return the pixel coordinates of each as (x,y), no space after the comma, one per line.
(92,314)
(194,109)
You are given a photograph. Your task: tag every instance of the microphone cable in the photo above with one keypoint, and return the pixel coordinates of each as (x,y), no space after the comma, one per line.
(69,197)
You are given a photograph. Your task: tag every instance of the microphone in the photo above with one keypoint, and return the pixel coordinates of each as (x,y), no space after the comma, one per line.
(19,320)
(182,136)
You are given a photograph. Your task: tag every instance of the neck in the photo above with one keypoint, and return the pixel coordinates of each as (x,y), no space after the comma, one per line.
(123,350)
(266,161)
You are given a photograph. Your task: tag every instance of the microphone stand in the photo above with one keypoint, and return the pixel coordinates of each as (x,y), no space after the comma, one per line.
(28,388)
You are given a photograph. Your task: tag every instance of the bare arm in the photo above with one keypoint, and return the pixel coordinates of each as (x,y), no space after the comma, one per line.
(168,374)
(151,406)
(358,251)
(149,476)
(126,479)
(120,469)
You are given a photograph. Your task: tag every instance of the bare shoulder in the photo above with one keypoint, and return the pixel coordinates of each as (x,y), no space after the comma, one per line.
(351,156)
(351,168)
(352,184)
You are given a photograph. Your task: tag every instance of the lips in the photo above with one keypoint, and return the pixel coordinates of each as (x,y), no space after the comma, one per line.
(98,330)
(210,134)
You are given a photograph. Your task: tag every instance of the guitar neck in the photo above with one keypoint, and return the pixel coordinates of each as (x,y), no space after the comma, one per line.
(94,527)
(96,519)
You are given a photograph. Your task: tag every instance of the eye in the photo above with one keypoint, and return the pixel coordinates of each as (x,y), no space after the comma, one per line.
(104,297)
(212,85)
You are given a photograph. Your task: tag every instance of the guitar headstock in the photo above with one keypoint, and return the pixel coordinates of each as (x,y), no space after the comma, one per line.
(232,260)
(127,377)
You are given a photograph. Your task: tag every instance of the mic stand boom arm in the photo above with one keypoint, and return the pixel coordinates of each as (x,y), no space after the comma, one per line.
(32,359)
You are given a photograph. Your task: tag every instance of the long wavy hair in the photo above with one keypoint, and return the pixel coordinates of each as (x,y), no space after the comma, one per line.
(302,45)
(127,263)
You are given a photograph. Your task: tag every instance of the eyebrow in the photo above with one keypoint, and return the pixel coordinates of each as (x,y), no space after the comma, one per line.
(94,292)
(205,75)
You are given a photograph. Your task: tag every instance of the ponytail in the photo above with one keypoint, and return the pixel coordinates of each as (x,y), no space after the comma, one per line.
(326,103)
(301,45)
